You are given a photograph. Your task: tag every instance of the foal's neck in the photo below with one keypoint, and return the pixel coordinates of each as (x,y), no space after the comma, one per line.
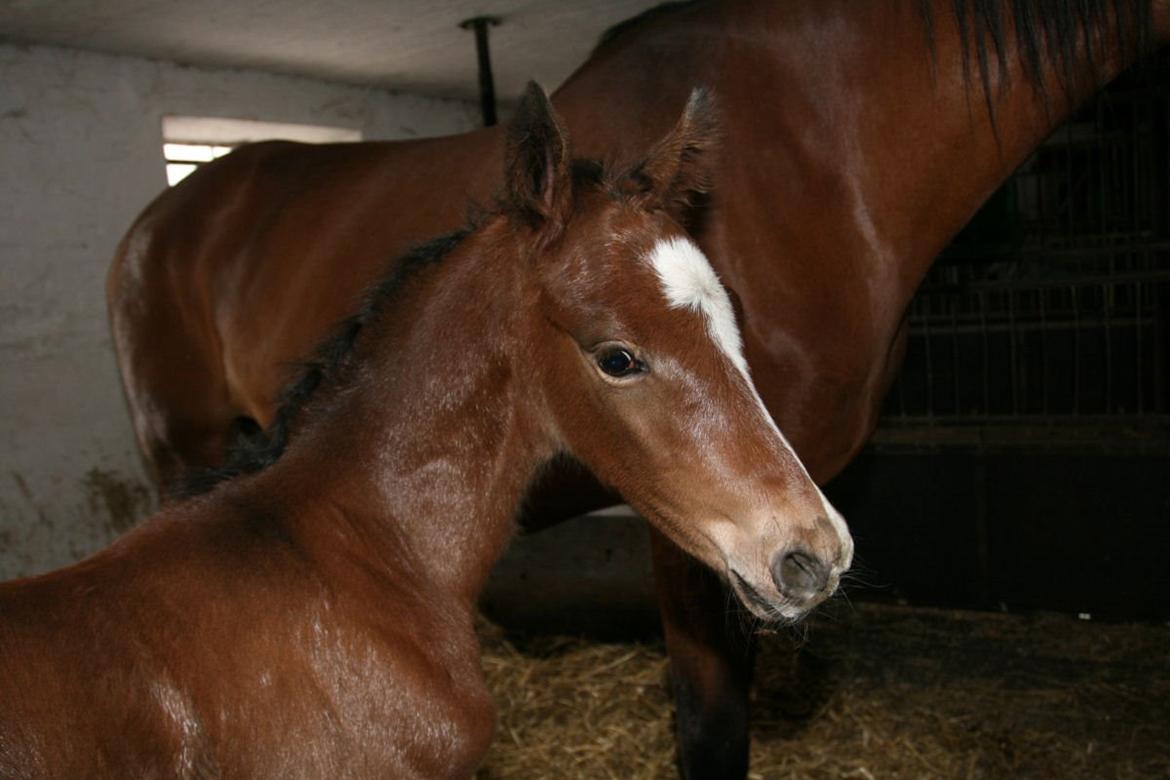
(428,448)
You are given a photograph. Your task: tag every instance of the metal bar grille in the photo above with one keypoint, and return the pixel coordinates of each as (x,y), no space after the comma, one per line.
(1054,306)
(1016,347)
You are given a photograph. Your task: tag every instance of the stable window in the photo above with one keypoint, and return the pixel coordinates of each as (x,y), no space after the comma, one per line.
(192,141)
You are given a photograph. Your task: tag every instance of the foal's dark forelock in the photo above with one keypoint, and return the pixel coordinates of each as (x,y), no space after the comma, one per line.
(1047,33)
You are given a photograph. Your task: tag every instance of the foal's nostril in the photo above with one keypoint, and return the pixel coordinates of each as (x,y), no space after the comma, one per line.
(799,574)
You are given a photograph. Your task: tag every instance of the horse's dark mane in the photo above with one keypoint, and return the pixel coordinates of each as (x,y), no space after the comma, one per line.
(255,450)
(1048,37)
(1048,33)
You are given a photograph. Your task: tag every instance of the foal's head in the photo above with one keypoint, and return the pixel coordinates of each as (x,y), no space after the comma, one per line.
(634,344)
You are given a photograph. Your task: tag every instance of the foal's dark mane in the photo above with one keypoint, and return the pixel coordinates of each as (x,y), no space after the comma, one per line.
(1048,33)
(255,450)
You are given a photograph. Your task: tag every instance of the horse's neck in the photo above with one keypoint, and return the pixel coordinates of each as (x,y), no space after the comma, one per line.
(933,146)
(852,154)
(842,103)
(423,460)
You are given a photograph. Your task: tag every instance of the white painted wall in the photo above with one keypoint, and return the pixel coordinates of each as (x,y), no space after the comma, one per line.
(80,155)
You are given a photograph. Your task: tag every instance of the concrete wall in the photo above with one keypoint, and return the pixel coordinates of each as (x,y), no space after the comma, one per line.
(80,155)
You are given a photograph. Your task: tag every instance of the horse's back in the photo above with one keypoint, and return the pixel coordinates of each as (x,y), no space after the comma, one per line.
(227,280)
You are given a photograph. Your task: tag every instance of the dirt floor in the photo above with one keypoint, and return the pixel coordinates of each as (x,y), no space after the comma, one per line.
(860,693)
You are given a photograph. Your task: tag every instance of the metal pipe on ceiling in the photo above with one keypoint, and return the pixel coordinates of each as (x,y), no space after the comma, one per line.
(487,87)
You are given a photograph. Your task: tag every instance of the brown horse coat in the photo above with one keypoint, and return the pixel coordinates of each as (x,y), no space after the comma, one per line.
(857,143)
(312,617)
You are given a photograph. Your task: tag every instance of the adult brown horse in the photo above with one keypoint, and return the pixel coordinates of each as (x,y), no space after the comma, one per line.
(314,618)
(860,137)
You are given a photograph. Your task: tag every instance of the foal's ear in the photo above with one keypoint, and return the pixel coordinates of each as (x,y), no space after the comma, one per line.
(537,162)
(679,166)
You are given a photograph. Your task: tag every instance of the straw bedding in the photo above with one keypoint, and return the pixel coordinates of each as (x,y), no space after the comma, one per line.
(872,692)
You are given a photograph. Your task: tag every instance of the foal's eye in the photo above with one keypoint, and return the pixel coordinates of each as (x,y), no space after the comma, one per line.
(618,362)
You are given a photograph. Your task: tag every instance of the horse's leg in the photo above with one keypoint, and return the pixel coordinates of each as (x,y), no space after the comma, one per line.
(712,657)
(564,491)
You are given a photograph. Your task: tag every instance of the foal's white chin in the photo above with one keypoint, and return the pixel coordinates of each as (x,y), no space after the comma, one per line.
(766,603)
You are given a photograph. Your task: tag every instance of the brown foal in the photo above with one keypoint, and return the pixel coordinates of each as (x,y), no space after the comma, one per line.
(857,140)
(312,615)
(857,144)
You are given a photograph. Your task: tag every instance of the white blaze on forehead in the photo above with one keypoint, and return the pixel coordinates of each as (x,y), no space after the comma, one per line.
(689,282)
